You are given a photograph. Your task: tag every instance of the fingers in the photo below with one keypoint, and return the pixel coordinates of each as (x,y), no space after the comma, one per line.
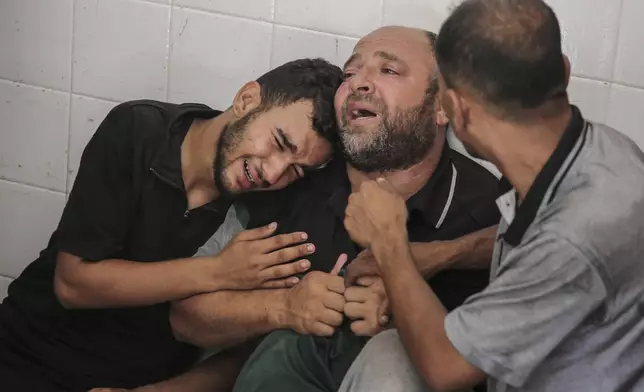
(355,310)
(366,281)
(342,259)
(281,241)
(258,233)
(280,283)
(291,253)
(383,312)
(363,265)
(285,270)
(365,328)
(335,284)
(334,301)
(331,317)
(358,294)
(321,329)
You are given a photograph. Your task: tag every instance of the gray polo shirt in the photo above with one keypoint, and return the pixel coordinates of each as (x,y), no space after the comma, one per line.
(564,310)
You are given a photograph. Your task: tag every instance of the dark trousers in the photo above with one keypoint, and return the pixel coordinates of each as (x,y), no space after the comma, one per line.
(288,361)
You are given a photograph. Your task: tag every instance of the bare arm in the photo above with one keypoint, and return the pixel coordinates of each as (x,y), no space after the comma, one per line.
(421,322)
(228,318)
(252,259)
(122,283)
(472,251)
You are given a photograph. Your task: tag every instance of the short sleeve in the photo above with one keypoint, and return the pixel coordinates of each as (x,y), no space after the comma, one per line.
(545,289)
(97,216)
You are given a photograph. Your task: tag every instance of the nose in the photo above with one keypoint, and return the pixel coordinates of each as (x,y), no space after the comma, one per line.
(361,82)
(273,169)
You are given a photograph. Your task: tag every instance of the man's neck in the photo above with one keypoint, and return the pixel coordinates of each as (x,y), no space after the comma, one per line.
(409,181)
(197,155)
(521,151)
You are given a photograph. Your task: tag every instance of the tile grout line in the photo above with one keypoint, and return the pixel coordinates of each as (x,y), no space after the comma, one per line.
(31,185)
(619,31)
(90,96)
(168,53)
(250,18)
(71,89)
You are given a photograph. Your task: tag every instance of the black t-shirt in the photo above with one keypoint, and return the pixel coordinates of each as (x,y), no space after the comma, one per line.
(128,202)
(458,199)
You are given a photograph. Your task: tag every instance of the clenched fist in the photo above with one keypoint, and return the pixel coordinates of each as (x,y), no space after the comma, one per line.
(316,304)
(375,213)
(367,305)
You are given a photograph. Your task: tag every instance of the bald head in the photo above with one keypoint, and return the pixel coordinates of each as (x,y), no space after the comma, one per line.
(506,52)
(386,106)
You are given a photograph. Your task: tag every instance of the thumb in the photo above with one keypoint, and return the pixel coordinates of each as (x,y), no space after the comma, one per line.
(258,233)
(342,259)
(383,313)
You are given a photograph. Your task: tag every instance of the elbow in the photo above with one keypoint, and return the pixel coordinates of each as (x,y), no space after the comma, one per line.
(180,325)
(436,381)
(67,295)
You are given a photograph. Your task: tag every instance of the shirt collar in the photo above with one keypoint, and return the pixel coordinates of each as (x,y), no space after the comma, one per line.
(527,210)
(167,163)
(431,203)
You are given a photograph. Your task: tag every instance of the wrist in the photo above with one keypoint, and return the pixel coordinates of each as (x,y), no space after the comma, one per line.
(277,309)
(390,245)
(207,275)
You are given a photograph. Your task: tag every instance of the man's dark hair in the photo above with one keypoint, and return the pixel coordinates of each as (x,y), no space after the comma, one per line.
(305,79)
(508,52)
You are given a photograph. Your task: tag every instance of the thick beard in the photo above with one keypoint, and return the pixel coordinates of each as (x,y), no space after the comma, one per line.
(399,143)
(230,138)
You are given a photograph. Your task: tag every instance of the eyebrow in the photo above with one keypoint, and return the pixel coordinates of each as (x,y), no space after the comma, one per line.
(287,141)
(353,58)
(382,54)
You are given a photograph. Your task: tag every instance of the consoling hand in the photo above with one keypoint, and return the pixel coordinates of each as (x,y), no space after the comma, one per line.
(375,213)
(255,258)
(367,305)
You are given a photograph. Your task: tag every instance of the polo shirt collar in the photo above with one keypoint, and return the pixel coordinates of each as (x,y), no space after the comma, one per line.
(527,211)
(167,163)
(431,203)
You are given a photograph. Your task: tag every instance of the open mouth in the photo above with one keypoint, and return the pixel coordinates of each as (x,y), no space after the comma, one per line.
(249,177)
(358,114)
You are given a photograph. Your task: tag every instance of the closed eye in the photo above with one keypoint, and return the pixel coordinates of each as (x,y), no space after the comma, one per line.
(347,75)
(389,71)
(280,146)
(299,172)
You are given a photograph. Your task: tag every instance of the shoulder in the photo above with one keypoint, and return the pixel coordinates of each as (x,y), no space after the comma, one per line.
(599,204)
(155,115)
(280,205)
(475,179)
(476,190)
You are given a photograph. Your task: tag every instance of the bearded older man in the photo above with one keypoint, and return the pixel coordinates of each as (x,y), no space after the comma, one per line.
(393,126)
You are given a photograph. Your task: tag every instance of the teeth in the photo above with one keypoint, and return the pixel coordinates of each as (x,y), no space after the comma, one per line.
(247,172)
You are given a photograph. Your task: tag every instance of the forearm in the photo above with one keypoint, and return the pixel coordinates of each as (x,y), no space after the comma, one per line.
(472,251)
(122,283)
(419,317)
(228,318)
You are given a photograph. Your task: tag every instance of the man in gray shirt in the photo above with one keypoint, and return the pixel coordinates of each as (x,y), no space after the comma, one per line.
(564,310)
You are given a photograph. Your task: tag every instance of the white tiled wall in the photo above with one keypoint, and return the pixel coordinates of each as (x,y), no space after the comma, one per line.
(65,63)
